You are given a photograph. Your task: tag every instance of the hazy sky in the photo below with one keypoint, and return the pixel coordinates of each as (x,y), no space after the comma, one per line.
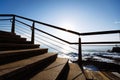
(77,15)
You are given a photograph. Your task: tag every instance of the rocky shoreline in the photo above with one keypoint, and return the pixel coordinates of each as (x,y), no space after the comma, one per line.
(103,66)
(115,49)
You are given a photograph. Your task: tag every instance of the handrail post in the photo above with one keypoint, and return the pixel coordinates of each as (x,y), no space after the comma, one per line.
(33,33)
(13,24)
(79,52)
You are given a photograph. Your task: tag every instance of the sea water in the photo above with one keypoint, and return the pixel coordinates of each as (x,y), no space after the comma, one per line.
(91,51)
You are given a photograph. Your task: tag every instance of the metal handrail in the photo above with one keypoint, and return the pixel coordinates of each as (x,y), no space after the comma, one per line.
(59,28)
(45,32)
(70,31)
(82,34)
(47,37)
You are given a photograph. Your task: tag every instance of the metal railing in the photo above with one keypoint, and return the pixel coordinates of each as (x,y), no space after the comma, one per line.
(33,27)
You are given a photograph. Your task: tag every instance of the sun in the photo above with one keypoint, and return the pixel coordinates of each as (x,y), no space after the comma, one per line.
(67,23)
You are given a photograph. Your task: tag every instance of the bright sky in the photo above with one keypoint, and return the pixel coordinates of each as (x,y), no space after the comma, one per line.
(77,15)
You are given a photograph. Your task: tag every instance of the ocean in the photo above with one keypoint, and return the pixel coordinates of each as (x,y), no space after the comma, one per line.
(97,52)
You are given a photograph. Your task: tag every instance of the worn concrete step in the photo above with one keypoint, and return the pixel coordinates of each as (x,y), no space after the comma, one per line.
(97,75)
(88,74)
(8,40)
(111,75)
(53,71)
(11,46)
(100,75)
(14,41)
(9,36)
(116,74)
(6,33)
(13,55)
(75,72)
(12,38)
(24,69)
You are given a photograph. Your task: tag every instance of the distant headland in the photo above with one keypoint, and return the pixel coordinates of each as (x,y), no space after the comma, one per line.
(116,49)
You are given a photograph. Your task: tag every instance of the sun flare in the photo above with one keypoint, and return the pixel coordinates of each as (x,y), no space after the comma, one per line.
(66,49)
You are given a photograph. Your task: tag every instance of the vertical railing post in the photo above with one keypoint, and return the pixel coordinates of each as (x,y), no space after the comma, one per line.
(13,25)
(79,52)
(80,56)
(33,33)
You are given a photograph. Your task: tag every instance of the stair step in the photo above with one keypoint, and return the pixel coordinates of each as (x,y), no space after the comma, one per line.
(88,74)
(13,55)
(20,70)
(99,75)
(75,72)
(6,33)
(9,36)
(117,74)
(12,38)
(8,40)
(53,71)
(14,41)
(11,46)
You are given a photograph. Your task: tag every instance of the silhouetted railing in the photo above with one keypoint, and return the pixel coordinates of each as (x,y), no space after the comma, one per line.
(14,19)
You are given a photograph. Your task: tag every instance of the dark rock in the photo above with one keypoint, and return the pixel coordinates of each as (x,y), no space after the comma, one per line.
(115,49)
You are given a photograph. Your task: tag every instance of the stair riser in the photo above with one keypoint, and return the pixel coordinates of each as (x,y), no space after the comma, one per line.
(11,39)
(7,33)
(3,48)
(6,37)
(10,36)
(6,58)
(29,70)
(15,41)
(64,73)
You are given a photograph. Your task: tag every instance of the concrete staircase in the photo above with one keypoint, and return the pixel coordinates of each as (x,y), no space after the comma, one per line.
(21,60)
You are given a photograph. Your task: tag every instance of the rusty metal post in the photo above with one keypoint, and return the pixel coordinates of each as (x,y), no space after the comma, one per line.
(79,52)
(33,33)
(13,25)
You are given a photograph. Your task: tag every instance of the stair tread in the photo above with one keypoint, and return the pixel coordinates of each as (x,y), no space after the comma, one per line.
(4,32)
(12,44)
(16,44)
(15,51)
(14,55)
(88,74)
(116,74)
(12,40)
(75,72)
(52,71)
(19,41)
(6,68)
(10,36)
(100,76)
